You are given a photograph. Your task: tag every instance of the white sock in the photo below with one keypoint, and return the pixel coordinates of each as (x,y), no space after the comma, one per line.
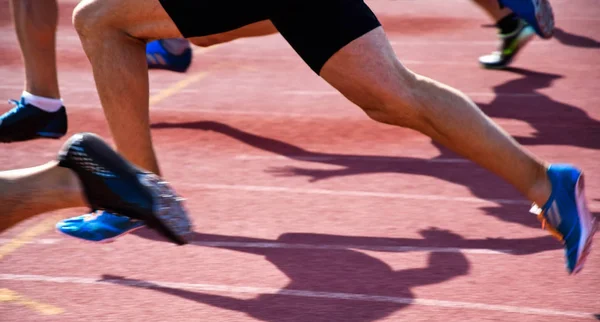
(176,46)
(43,103)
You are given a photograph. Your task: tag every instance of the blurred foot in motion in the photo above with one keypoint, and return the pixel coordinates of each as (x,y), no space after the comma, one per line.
(517,22)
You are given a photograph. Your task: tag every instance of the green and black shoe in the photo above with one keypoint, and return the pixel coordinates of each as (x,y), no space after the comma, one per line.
(510,45)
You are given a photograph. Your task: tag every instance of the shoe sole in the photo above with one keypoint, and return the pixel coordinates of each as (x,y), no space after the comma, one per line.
(545,18)
(104,241)
(50,135)
(586,251)
(587,222)
(167,208)
(37,136)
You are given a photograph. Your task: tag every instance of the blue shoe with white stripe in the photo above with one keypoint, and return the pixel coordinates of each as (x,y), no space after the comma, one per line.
(158,57)
(567,216)
(537,13)
(99,228)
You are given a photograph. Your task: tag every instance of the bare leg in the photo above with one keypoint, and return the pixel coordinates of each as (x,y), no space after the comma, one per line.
(120,71)
(32,191)
(28,192)
(368,73)
(492,8)
(257,29)
(35,22)
(113,35)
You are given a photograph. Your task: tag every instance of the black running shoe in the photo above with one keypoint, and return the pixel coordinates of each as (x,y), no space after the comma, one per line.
(26,122)
(111,183)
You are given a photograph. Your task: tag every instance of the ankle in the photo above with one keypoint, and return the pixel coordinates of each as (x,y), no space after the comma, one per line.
(69,186)
(541,188)
(508,24)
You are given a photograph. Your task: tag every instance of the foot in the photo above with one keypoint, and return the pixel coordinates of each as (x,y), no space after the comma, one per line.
(567,216)
(98,227)
(537,13)
(158,57)
(510,45)
(111,183)
(27,122)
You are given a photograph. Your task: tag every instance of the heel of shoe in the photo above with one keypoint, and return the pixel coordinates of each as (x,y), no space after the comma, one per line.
(57,127)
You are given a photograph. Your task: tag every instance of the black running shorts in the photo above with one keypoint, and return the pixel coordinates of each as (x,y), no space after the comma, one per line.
(316,29)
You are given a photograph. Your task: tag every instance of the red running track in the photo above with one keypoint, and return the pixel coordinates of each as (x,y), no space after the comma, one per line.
(305,210)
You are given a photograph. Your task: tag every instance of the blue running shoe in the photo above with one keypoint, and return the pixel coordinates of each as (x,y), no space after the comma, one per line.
(26,122)
(159,58)
(99,228)
(113,184)
(567,216)
(537,13)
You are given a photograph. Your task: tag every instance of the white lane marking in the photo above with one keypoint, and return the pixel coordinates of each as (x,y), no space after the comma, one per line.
(41,241)
(249,157)
(351,193)
(377,248)
(298,293)
(395,249)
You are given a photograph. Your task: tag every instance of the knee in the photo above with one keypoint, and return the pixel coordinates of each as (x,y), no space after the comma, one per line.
(397,103)
(91,15)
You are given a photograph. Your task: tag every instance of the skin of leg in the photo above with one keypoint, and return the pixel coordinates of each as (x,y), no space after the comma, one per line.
(29,192)
(492,8)
(49,187)
(368,73)
(257,29)
(32,191)
(35,22)
(113,34)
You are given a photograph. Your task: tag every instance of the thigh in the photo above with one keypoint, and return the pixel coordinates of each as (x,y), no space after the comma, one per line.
(197,18)
(367,71)
(141,19)
(257,29)
(317,29)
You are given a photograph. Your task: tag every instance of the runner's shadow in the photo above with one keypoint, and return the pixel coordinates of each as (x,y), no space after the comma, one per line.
(331,279)
(446,166)
(555,123)
(570,39)
(433,238)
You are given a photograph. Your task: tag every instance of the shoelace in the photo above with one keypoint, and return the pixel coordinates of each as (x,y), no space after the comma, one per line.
(18,105)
